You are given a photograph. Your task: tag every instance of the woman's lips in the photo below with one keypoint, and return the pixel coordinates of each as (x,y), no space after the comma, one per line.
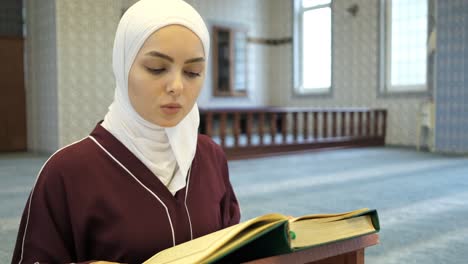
(171,109)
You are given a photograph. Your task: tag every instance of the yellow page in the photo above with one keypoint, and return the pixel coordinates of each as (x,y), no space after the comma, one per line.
(310,232)
(329,217)
(201,249)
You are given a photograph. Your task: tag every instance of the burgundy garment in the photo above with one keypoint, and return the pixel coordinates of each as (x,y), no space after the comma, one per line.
(85,206)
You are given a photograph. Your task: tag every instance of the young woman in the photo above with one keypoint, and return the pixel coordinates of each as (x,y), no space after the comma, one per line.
(143,180)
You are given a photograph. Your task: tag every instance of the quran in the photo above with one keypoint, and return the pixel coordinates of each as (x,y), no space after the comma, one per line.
(270,235)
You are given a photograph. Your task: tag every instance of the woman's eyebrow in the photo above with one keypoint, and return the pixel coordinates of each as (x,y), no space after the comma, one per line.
(169,58)
(200,59)
(160,55)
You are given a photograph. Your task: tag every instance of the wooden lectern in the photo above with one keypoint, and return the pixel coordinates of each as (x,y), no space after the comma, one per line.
(349,251)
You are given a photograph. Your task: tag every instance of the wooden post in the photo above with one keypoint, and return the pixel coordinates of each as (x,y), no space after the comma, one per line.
(295,129)
(236,128)
(325,124)
(222,132)
(209,124)
(359,130)
(284,126)
(305,124)
(315,116)
(343,123)
(249,128)
(384,123)
(334,124)
(261,124)
(351,123)
(376,123)
(368,124)
(273,128)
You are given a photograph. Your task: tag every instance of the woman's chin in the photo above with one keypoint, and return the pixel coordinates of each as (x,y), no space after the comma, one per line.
(170,122)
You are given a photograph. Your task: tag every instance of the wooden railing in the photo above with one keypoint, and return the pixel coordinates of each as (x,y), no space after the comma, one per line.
(247,132)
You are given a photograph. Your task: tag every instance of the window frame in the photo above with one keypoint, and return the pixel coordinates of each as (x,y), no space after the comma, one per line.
(298,88)
(385,27)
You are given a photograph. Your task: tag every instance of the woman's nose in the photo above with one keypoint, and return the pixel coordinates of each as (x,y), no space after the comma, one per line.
(175,86)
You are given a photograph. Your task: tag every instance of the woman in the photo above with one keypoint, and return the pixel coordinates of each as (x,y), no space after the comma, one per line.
(144,180)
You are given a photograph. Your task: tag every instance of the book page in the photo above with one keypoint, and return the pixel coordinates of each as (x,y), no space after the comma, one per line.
(330,217)
(191,250)
(310,232)
(244,237)
(214,244)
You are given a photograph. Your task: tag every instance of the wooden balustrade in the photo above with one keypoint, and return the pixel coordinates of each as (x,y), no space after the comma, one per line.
(247,132)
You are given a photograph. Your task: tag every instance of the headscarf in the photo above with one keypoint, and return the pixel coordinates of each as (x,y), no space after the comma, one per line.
(167,152)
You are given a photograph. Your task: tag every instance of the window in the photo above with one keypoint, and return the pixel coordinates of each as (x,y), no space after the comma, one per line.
(312,46)
(405,30)
(229,61)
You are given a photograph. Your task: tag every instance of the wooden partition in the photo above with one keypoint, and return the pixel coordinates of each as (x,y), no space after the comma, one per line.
(13,135)
(248,132)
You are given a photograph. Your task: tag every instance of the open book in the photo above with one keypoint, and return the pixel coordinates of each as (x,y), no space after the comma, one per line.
(270,235)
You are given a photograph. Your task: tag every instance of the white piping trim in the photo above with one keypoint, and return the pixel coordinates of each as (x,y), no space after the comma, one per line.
(136,179)
(185,202)
(31,197)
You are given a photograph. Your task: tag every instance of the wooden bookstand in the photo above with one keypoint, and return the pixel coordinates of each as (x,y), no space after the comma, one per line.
(343,252)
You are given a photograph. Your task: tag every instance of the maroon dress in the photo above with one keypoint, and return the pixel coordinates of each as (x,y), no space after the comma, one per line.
(94,200)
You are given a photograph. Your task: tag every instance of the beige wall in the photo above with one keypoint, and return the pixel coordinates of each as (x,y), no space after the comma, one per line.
(41,76)
(355,70)
(85,34)
(71,84)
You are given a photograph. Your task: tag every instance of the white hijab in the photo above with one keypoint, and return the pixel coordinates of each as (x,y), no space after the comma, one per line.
(167,152)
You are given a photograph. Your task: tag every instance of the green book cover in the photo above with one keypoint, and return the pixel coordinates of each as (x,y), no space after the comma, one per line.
(270,235)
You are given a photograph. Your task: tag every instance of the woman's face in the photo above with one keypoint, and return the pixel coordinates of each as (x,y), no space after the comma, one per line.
(167,75)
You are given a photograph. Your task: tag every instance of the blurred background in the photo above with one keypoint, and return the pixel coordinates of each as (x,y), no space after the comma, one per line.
(381,85)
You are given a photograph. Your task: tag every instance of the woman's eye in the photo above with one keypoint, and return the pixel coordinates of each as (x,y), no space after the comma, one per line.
(192,74)
(156,71)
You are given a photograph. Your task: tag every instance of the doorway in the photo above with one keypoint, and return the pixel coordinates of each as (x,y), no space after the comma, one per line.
(13,135)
